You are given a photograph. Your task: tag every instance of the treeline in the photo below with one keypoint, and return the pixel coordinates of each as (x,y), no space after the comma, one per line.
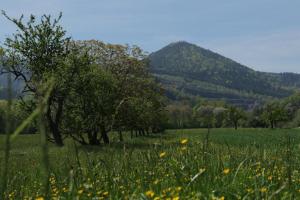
(91,88)
(284,113)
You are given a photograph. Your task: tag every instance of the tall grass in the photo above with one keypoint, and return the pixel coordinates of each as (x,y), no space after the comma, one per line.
(244,164)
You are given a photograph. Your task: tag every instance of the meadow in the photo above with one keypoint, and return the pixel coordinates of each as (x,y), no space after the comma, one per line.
(177,164)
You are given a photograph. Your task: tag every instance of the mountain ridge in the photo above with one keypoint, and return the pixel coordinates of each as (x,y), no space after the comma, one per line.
(193,63)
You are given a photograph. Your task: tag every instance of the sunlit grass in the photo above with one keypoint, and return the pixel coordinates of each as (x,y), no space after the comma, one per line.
(243,164)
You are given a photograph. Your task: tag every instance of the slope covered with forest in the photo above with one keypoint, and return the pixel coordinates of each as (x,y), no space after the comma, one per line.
(187,70)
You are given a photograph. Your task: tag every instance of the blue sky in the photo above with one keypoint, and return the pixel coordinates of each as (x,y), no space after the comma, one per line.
(262,34)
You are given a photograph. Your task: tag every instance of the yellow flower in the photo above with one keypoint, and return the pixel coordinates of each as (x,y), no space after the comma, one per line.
(39,198)
(222,198)
(175,198)
(184,141)
(178,189)
(150,194)
(226,171)
(183,148)
(80,191)
(263,189)
(156,198)
(162,154)
(249,190)
(105,194)
(270,178)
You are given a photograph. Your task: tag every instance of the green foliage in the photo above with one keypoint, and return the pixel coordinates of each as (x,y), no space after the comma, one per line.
(234,115)
(95,83)
(274,113)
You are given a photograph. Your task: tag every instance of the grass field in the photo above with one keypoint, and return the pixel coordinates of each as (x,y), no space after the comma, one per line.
(242,164)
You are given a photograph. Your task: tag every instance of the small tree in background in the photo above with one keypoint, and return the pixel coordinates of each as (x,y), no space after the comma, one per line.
(273,113)
(234,115)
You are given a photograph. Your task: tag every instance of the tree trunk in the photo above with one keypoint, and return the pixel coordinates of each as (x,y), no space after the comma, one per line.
(272,124)
(131,134)
(104,135)
(235,125)
(120,136)
(54,123)
(93,138)
(55,133)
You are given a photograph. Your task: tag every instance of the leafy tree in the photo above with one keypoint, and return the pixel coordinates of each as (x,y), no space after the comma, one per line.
(37,53)
(91,105)
(137,97)
(234,115)
(180,115)
(273,113)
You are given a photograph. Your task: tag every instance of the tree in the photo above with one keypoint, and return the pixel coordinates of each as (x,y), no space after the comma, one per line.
(273,113)
(137,97)
(234,115)
(91,105)
(37,53)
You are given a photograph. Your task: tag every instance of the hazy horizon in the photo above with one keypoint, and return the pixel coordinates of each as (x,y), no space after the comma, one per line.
(261,34)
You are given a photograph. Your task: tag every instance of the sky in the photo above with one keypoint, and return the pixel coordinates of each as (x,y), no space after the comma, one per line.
(261,34)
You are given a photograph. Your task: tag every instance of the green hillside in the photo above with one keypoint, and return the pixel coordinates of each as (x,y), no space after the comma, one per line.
(187,70)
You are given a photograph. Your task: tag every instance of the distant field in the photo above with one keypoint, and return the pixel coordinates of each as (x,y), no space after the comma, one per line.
(242,164)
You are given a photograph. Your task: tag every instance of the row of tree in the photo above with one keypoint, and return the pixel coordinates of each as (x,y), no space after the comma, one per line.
(93,88)
(284,113)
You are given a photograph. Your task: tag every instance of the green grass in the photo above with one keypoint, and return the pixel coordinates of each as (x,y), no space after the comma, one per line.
(243,164)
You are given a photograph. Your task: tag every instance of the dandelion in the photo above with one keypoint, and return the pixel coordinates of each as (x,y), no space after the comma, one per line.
(178,189)
(184,141)
(226,171)
(162,154)
(263,190)
(249,190)
(105,194)
(150,194)
(183,148)
(222,198)
(80,191)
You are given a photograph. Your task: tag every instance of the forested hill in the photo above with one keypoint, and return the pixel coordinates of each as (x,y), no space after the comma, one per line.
(187,70)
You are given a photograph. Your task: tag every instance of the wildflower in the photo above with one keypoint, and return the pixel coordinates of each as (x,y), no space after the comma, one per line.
(183,148)
(80,191)
(150,194)
(156,198)
(162,154)
(39,198)
(270,178)
(178,189)
(249,190)
(105,194)
(175,198)
(226,171)
(263,189)
(222,198)
(184,141)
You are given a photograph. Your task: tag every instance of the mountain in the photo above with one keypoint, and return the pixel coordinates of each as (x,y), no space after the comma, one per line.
(188,71)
